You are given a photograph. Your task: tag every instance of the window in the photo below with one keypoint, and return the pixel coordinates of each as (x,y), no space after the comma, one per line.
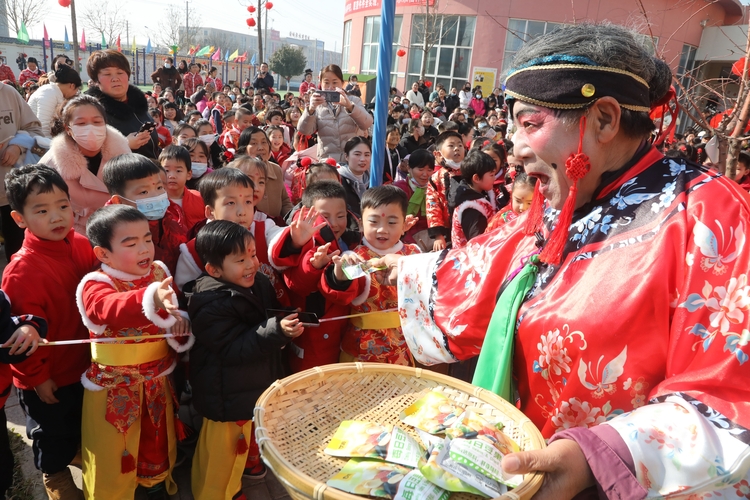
(686,66)
(448,59)
(521,31)
(370,45)
(345,46)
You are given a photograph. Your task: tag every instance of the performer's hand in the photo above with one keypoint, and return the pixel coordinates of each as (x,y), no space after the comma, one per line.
(165,298)
(46,391)
(567,472)
(439,244)
(348,259)
(303,229)
(25,337)
(389,276)
(291,326)
(321,258)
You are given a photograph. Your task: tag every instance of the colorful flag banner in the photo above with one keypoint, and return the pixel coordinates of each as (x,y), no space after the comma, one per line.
(46,36)
(23,35)
(148,46)
(104,42)
(253,61)
(173,50)
(119,47)
(217,55)
(226,57)
(66,44)
(83,40)
(235,55)
(243,58)
(202,52)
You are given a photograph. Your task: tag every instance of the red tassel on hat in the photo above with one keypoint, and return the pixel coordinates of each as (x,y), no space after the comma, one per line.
(576,167)
(535,213)
(127,462)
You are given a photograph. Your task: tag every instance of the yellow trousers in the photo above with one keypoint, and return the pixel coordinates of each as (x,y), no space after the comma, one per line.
(217,469)
(102,447)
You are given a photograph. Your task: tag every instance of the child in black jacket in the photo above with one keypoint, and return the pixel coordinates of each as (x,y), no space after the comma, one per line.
(237,355)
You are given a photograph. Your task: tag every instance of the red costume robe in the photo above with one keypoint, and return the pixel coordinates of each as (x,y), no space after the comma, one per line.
(644,325)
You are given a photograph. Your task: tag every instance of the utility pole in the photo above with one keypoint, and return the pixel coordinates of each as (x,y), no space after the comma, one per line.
(265,42)
(260,33)
(187,27)
(75,36)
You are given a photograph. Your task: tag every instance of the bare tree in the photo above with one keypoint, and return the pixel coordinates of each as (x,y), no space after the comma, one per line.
(430,27)
(29,12)
(105,18)
(171,28)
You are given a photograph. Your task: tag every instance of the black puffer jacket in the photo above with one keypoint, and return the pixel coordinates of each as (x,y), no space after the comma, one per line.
(128,116)
(238,351)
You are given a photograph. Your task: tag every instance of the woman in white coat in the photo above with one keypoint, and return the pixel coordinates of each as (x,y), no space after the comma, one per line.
(82,145)
(46,101)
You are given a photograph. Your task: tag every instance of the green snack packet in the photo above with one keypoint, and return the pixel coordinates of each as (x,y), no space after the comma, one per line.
(432,413)
(442,478)
(355,438)
(416,487)
(369,477)
(473,426)
(482,457)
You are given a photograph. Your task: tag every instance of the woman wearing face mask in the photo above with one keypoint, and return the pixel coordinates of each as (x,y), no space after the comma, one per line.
(477,104)
(335,122)
(83,143)
(415,140)
(354,171)
(46,101)
(464,97)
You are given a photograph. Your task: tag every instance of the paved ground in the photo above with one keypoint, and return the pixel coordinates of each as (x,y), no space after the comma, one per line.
(268,489)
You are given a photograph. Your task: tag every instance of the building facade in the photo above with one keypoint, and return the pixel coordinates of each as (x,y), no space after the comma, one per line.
(475,40)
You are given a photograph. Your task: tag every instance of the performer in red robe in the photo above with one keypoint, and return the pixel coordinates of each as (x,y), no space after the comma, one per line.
(630,346)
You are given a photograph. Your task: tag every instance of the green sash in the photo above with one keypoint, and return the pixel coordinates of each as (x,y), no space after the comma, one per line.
(495,365)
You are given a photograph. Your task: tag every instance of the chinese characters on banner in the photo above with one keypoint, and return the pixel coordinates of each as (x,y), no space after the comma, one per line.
(352,6)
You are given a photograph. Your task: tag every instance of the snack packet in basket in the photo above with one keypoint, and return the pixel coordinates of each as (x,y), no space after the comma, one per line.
(479,463)
(436,475)
(432,413)
(474,426)
(355,438)
(381,479)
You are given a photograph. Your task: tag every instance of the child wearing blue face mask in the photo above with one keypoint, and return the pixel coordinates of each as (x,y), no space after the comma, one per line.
(134,180)
(175,160)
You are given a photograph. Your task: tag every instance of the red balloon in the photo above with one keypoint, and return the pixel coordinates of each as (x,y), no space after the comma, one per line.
(269,5)
(64,3)
(400,52)
(251,22)
(251,9)
(428,84)
(738,67)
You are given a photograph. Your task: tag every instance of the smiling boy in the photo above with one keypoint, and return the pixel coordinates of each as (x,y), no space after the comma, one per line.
(41,279)
(441,190)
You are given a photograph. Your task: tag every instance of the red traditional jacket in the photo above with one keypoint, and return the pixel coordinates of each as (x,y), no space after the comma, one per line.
(191,81)
(651,299)
(439,211)
(372,338)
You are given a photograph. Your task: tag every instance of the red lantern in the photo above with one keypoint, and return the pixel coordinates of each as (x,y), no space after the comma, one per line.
(269,5)
(250,22)
(428,84)
(400,52)
(738,67)
(251,9)
(64,3)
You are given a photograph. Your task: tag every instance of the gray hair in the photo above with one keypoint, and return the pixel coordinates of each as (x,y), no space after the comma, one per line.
(606,45)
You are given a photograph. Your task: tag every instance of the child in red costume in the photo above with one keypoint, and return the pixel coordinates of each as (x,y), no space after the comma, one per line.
(175,160)
(521,193)
(129,425)
(421,168)
(449,153)
(305,250)
(134,180)
(373,337)
(42,278)
(474,198)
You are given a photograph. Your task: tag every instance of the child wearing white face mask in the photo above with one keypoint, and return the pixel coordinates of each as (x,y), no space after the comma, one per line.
(83,143)
(199,158)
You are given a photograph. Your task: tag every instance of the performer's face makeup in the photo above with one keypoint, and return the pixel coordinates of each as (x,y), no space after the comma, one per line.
(543,142)
(132,249)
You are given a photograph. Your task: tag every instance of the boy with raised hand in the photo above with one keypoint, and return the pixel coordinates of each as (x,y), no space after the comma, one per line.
(129,409)
(135,180)
(237,355)
(41,279)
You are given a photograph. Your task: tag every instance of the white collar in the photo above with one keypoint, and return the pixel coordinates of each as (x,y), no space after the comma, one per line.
(121,275)
(394,249)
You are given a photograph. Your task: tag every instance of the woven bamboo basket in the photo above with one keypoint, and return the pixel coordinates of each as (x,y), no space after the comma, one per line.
(297,417)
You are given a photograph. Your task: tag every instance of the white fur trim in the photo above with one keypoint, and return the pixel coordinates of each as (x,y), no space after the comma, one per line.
(149,308)
(87,384)
(88,323)
(362,297)
(187,269)
(175,344)
(394,249)
(277,240)
(273,235)
(484,207)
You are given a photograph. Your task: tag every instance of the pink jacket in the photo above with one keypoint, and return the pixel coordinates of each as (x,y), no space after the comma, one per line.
(477,105)
(87,191)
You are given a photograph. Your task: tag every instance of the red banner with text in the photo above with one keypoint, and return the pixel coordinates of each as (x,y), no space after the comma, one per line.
(352,6)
